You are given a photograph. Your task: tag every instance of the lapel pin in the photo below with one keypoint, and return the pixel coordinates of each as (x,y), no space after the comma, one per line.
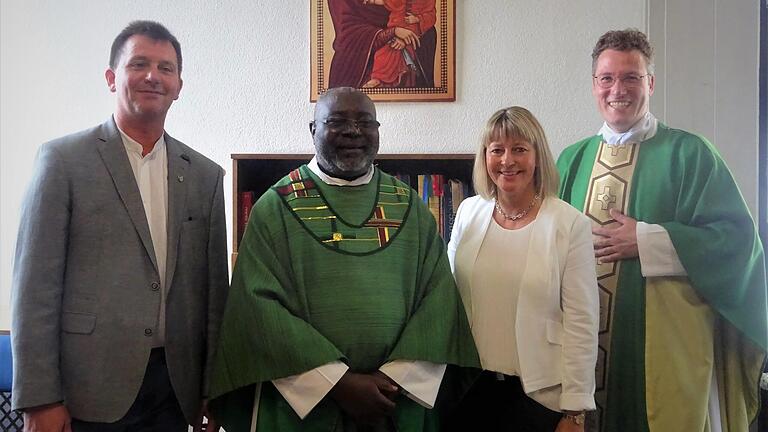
(181,179)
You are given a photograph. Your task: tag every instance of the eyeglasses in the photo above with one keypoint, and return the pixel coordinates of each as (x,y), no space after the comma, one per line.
(607,81)
(343,124)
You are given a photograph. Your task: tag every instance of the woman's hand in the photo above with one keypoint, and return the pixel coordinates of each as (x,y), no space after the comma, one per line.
(566,425)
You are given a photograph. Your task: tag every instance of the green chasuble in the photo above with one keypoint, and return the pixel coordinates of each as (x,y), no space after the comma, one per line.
(669,331)
(325,273)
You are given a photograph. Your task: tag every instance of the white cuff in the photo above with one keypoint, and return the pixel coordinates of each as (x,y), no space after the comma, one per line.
(658,256)
(577,402)
(420,380)
(304,391)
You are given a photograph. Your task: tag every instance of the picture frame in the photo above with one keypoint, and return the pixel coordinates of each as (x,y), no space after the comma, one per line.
(358,43)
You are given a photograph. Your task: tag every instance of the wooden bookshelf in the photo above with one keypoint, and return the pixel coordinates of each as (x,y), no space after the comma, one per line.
(258,172)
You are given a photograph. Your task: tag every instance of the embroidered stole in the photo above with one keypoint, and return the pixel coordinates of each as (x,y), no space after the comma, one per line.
(329,228)
(609,187)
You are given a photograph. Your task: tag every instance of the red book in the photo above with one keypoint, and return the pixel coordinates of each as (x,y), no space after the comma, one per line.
(244,211)
(437,185)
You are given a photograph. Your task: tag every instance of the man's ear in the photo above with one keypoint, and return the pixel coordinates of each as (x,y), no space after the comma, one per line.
(312,127)
(109,74)
(181,84)
(651,84)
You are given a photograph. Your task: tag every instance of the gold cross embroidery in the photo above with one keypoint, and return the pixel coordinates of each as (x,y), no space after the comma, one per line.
(606,198)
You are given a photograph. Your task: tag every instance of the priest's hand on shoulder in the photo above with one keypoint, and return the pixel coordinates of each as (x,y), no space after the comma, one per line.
(367,398)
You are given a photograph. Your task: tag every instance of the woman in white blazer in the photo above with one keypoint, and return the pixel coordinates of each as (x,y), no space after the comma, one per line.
(524,264)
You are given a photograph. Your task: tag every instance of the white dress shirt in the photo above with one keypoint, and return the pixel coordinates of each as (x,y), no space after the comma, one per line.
(151,174)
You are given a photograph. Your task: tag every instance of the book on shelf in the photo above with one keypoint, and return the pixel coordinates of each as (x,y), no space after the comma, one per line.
(441,194)
(447,209)
(245,200)
(434,194)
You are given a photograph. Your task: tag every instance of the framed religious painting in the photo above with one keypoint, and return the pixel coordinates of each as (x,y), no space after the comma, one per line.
(393,50)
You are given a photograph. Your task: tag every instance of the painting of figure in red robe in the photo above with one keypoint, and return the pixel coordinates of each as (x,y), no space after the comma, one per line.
(393,50)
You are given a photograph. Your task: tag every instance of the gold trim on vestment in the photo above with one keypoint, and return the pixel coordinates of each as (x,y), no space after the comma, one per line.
(317,218)
(399,188)
(351,239)
(394,193)
(609,188)
(301,197)
(323,207)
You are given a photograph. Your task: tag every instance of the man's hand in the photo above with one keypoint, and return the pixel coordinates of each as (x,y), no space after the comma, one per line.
(364,397)
(391,391)
(47,418)
(566,425)
(616,241)
(211,426)
(407,36)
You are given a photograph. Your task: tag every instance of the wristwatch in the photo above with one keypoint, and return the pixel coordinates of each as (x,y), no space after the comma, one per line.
(576,418)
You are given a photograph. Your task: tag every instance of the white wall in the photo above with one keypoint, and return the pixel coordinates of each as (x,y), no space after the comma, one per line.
(246,85)
(707,77)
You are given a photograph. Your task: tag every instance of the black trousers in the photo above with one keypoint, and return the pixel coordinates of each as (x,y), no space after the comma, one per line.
(500,405)
(155,409)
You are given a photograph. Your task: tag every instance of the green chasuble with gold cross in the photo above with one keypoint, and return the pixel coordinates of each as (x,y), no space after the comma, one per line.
(666,333)
(325,273)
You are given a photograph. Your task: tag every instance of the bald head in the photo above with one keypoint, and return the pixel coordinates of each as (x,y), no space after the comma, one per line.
(345,132)
(343,95)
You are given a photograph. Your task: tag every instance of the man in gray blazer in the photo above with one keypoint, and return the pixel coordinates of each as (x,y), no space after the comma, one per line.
(120,272)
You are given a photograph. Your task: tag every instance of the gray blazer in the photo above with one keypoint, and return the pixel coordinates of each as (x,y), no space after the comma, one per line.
(85,295)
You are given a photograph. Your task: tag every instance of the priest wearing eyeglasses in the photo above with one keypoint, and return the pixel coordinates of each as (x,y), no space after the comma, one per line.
(343,311)
(680,268)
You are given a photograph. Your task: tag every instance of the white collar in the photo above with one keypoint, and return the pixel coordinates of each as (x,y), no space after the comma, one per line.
(134,146)
(333,181)
(644,129)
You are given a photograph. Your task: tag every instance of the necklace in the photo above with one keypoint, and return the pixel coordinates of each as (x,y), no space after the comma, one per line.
(521,214)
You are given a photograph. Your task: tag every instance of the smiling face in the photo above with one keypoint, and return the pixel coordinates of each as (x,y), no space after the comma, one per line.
(511,165)
(345,133)
(146,79)
(622,105)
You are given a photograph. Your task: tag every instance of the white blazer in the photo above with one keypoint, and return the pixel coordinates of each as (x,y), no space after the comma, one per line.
(558,305)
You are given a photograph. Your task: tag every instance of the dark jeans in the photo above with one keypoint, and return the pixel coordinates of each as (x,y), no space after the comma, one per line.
(495,405)
(155,408)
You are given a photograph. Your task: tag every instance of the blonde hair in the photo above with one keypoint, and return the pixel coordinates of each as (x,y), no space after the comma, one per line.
(516,122)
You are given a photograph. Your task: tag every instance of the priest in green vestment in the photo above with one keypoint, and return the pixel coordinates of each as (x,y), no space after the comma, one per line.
(343,312)
(681,269)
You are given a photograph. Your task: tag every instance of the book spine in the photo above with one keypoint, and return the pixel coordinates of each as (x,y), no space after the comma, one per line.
(420,179)
(244,211)
(448,214)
